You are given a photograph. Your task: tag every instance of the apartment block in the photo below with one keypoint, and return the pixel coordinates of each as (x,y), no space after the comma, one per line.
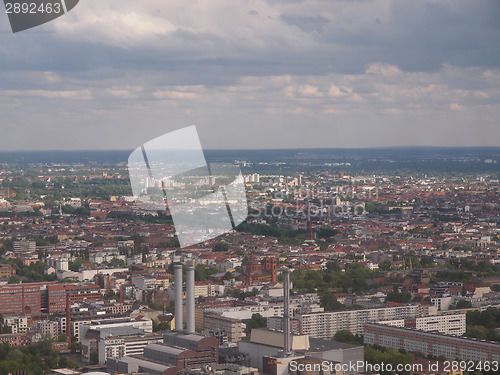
(119,346)
(77,293)
(17,323)
(6,271)
(48,328)
(131,335)
(22,298)
(204,289)
(324,325)
(24,246)
(449,324)
(275,323)
(429,343)
(233,327)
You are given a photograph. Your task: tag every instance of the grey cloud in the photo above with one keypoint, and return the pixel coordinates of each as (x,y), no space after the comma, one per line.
(446,51)
(421,36)
(306,23)
(416,36)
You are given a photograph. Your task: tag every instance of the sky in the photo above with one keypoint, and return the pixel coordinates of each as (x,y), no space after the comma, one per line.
(114,74)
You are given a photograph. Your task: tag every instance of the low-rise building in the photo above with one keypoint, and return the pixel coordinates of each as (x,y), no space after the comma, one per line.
(17,323)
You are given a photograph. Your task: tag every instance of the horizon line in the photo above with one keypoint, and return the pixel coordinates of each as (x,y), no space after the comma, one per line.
(267,149)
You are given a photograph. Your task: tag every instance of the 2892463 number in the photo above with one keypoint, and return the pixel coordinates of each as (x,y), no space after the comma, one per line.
(33,8)
(471,366)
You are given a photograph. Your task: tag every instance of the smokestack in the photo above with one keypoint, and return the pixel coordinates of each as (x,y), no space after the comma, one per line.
(68,320)
(286,313)
(190,298)
(23,307)
(178,297)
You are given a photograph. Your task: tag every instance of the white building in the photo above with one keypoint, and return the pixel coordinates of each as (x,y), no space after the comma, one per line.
(48,328)
(204,289)
(92,337)
(442,303)
(17,323)
(325,324)
(449,324)
(124,345)
(429,343)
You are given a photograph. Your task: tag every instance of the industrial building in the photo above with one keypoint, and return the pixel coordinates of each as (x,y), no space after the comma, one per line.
(180,350)
(273,352)
(265,344)
(130,335)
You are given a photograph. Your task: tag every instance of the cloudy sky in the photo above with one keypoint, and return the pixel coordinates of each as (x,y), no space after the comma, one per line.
(112,74)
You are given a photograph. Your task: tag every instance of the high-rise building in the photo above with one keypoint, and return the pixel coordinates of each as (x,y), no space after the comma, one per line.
(77,293)
(449,324)
(325,324)
(23,298)
(24,246)
(432,344)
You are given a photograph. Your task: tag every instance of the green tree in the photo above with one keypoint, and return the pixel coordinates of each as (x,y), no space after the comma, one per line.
(14,280)
(384,266)
(329,302)
(257,321)
(220,246)
(463,304)
(495,287)
(346,336)
(398,297)
(94,358)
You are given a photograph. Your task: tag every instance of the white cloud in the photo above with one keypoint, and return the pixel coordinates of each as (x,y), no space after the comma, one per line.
(456,107)
(46,94)
(383,69)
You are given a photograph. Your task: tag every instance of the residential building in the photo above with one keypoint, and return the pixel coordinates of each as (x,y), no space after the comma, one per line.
(6,271)
(77,293)
(449,324)
(23,298)
(431,344)
(324,325)
(24,246)
(48,328)
(134,336)
(17,323)
(232,327)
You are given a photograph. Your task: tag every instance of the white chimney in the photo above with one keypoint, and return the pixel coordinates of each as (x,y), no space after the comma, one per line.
(287,349)
(178,297)
(190,299)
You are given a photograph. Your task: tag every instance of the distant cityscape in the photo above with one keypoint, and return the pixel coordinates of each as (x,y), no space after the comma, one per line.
(369,261)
